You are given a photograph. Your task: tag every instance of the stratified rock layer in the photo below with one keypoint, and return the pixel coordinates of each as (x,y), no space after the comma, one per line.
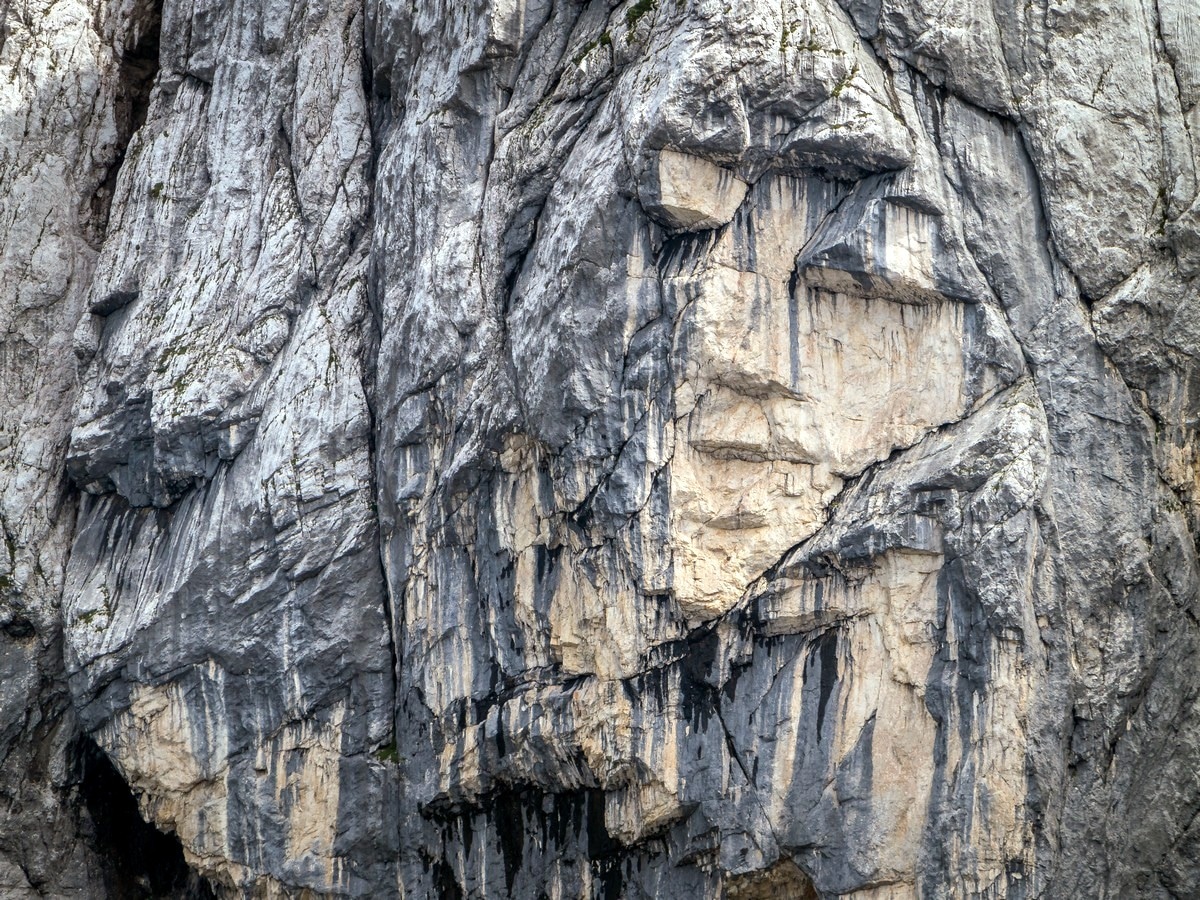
(645,449)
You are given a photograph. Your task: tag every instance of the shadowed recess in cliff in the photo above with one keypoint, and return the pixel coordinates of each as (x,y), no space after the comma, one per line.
(139,64)
(523,831)
(142,862)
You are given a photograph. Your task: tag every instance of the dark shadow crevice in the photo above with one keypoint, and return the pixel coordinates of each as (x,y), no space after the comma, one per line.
(137,69)
(140,862)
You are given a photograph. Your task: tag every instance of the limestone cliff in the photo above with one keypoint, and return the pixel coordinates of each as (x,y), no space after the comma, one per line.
(660,448)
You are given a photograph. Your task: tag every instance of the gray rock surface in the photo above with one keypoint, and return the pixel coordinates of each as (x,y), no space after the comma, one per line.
(74,78)
(661,448)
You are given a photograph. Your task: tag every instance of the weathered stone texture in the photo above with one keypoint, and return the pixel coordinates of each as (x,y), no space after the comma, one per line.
(661,448)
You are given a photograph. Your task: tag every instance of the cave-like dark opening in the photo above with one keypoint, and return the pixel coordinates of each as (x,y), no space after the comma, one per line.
(141,862)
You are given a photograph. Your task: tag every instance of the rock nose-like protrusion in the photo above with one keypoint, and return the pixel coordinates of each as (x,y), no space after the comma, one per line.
(688,193)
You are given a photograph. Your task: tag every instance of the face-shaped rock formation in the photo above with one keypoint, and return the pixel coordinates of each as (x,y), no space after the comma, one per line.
(644,449)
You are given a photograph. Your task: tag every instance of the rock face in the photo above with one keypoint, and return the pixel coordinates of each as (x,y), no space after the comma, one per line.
(600,449)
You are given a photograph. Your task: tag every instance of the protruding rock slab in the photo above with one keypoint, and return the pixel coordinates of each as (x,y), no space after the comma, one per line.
(687,193)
